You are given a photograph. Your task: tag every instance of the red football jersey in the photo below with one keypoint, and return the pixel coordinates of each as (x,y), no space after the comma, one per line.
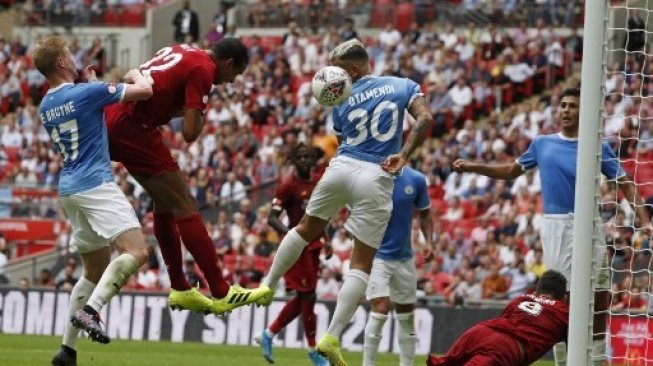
(538,323)
(182,78)
(292,196)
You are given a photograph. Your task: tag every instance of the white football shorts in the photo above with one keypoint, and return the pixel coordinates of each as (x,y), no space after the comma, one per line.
(394,279)
(98,216)
(557,233)
(365,188)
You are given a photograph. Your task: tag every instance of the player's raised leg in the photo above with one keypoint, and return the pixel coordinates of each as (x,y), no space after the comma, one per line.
(290,249)
(172,196)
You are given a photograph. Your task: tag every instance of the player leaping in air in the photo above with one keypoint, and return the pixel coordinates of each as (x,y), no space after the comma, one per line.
(394,278)
(292,197)
(361,176)
(526,330)
(182,77)
(555,155)
(98,211)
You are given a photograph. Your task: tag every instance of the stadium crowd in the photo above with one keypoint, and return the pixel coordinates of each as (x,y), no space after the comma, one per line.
(491,91)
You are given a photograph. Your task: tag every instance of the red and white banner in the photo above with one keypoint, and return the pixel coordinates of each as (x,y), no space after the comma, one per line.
(630,340)
(26,229)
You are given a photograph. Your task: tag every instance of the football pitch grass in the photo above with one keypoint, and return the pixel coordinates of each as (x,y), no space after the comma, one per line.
(24,350)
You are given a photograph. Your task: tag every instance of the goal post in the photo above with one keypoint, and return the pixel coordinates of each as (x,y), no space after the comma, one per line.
(587,183)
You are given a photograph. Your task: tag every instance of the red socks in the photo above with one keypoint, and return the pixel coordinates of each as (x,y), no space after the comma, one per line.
(292,309)
(166,233)
(309,319)
(287,314)
(196,239)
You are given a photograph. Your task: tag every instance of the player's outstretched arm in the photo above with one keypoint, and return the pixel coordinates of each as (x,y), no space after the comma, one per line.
(419,109)
(137,87)
(629,189)
(193,124)
(507,171)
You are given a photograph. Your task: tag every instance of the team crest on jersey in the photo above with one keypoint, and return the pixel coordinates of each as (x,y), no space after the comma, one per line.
(112,88)
(409,190)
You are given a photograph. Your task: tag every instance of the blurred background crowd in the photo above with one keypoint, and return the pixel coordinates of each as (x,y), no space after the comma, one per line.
(491,91)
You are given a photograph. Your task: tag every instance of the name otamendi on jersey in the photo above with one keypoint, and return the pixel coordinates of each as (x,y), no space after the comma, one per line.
(370,122)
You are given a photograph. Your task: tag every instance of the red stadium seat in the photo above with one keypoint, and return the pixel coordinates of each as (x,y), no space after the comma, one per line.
(111,17)
(405,16)
(133,16)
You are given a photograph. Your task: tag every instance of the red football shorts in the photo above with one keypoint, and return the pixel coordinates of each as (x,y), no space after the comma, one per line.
(139,148)
(302,276)
(480,346)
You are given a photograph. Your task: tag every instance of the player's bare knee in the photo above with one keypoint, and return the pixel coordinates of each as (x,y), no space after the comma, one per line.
(133,242)
(381,305)
(310,227)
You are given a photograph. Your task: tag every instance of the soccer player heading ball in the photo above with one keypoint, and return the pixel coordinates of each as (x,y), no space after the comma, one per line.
(182,77)
(369,127)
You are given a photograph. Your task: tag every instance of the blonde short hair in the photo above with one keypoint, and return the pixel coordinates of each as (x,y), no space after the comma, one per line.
(46,52)
(352,50)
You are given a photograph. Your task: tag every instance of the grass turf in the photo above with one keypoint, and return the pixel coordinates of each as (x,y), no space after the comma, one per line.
(23,350)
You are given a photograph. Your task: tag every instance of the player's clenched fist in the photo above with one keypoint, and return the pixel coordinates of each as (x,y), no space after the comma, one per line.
(461,165)
(132,75)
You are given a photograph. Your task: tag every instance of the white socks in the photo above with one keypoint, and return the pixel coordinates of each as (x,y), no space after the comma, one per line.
(560,354)
(290,249)
(349,297)
(78,298)
(373,333)
(114,277)
(407,338)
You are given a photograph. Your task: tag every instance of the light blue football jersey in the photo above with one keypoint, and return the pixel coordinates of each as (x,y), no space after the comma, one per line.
(556,156)
(410,193)
(371,121)
(73,115)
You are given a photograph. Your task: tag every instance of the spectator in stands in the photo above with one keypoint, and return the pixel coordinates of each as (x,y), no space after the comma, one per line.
(264,247)
(494,285)
(467,289)
(23,283)
(537,267)
(461,95)
(213,35)
(435,282)
(220,18)
(348,32)
(192,276)
(327,286)
(636,38)
(147,277)
(186,23)
(253,274)
(520,280)
(96,57)
(222,242)
(233,190)
(46,279)
(389,36)
(68,280)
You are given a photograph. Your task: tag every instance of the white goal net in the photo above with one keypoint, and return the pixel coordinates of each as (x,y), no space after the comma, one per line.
(627,114)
